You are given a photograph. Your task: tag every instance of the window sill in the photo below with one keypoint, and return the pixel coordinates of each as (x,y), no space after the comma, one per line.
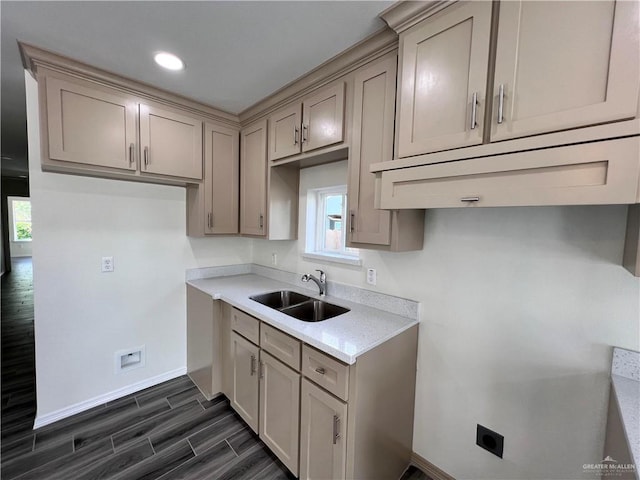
(22,241)
(326,257)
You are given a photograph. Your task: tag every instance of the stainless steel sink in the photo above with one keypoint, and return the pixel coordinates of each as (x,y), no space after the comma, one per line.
(282,299)
(299,306)
(314,311)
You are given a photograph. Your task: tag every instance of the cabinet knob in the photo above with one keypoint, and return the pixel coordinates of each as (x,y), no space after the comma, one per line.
(132,153)
(321,370)
(470,199)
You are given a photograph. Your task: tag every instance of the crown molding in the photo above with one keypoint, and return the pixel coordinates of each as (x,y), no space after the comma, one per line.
(405,14)
(372,47)
(34,57)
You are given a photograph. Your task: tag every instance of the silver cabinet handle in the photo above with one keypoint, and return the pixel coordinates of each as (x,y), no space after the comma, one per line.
(131,153)
(261,369)
(352,220)
(321,370)
(261,221)
(336,429)
(210,220)
(305,130)
(296,130)
(253,365)
(474,110)
(470,199)
(146,156)
(501,103)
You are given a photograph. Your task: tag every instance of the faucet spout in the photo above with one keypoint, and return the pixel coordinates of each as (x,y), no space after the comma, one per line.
(321,282)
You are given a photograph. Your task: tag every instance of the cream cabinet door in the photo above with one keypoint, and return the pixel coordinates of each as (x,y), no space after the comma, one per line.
(170,142)
(253,179)
(244,393)
(280,410)
(444,64)
(372,142)
(565,64)
(323,118)
(284,132)
(322,434)
(221,183)
(91,125)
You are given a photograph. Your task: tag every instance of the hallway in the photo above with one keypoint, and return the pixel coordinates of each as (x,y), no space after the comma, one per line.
(18,355)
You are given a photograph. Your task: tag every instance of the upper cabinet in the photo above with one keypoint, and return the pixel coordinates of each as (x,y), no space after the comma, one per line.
(562,65)
(92,129)
(316,122)
(253,179)
(444,79)
(170,142)
(222,176)
(372,141)
(89,125)
(558,66)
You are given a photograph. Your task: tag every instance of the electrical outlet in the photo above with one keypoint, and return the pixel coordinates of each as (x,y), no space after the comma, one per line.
(371,276)
(489,440)
(274,258)
(107,264)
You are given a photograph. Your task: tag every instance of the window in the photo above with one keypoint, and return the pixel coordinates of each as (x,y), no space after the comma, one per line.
(327,225)
(21,210)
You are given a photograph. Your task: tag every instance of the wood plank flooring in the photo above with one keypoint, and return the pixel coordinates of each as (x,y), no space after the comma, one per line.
(169,431)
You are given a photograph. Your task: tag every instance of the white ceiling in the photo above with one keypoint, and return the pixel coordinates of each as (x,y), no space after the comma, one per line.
(237,52)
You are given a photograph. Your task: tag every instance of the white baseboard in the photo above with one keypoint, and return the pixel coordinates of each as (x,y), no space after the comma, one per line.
(42,420)
(429,468)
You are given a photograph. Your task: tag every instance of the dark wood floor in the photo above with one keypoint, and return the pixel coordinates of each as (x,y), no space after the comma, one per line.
(169,431)
(18,352)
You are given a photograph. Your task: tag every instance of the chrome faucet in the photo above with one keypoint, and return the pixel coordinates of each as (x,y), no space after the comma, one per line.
(321,282)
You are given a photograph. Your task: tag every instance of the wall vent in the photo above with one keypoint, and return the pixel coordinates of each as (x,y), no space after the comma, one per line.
(129,359)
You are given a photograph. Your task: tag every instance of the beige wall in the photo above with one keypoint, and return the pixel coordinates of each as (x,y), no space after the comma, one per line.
(519,309)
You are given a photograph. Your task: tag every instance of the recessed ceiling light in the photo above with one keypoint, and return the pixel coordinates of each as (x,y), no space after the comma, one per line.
(169,61)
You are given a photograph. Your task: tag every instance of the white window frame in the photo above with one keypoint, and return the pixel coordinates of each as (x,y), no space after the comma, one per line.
(14,222)
(315,231)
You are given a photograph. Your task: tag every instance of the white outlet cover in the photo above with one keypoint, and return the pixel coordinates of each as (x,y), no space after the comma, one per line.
(107,264)
(371,276)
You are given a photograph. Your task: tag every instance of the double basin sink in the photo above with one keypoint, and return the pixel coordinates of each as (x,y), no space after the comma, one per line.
(299,306)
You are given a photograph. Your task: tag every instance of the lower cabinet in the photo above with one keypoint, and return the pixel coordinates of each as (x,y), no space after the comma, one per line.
(244,392)
(322,418)
(323,447)
(280,409)
(266,394)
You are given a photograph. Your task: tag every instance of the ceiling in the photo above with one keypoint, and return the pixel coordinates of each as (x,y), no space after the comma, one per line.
(236,52)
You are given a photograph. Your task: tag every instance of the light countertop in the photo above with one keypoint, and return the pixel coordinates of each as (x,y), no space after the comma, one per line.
(344,337)
(625,379)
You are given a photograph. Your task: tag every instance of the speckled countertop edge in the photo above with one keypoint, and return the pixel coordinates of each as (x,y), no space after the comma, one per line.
(625,381)
(345,337)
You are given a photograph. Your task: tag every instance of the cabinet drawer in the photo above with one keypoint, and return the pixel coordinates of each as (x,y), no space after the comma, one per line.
(245,325)
(327,372)
(589,174)
(281,346)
